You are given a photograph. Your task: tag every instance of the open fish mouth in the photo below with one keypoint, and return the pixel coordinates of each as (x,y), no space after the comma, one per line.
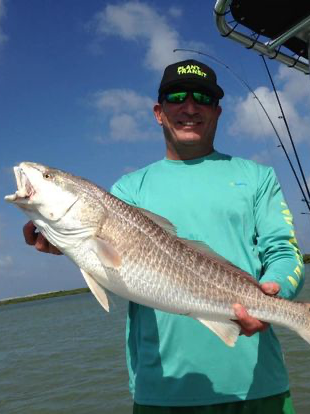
(24,188)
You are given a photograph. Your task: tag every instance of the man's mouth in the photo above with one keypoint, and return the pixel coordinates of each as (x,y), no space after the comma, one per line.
(190,123)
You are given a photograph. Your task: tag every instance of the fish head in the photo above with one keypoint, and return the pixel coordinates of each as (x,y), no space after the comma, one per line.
(42,191)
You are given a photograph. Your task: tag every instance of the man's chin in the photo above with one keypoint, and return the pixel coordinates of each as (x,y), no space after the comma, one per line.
(189,139)
(186,138)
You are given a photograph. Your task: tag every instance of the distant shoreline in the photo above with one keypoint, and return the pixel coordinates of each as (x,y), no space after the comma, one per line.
(41,296)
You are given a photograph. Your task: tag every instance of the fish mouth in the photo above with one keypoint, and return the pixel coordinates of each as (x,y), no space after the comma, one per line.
(25,190)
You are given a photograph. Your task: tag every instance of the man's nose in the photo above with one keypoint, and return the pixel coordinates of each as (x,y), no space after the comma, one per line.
(189,105)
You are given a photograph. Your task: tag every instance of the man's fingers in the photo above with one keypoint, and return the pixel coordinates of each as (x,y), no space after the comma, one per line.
(45,246)
(37,240)
(270,288)
(42,244)
(54,250)
(249,325)
(30,233)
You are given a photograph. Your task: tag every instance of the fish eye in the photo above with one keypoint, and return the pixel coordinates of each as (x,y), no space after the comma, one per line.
(47,176)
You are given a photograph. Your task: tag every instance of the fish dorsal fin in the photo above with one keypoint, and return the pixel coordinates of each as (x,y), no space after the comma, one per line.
(201,246)
(97,290)
(106,253)
(205,249)
(227,331)
(198,245)
(159,220)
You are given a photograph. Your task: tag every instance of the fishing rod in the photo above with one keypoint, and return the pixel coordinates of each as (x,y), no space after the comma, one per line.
(287,128)
(244,83)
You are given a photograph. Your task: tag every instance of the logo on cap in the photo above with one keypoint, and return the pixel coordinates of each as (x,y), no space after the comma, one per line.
(191,69)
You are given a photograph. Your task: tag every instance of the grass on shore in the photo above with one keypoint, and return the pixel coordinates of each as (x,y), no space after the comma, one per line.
(44,296)
(306,258)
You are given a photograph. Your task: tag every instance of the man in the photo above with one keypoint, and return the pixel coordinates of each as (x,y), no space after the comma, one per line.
(175,364)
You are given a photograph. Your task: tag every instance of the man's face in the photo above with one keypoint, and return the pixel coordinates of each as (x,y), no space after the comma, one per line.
(189,127)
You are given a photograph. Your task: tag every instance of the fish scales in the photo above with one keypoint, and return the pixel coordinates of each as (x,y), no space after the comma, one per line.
(181,272)
(179,269)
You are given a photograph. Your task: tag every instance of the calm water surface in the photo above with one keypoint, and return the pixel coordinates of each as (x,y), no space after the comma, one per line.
(66,355)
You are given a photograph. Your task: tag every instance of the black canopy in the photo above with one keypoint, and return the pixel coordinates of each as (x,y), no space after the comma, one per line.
(272,18)
(279,29)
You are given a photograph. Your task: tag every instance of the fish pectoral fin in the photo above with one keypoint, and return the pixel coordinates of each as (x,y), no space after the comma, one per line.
(106,253)
(97,290)
(228,331)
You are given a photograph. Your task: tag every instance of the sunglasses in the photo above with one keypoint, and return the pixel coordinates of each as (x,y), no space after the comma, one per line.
(199,97)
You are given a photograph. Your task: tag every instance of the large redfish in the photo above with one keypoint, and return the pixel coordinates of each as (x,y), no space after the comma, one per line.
(137,255)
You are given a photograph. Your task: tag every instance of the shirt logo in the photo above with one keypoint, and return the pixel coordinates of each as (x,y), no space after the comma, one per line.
(237,184)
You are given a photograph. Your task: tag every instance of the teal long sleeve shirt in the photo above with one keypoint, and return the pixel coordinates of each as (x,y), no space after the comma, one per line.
(236,207)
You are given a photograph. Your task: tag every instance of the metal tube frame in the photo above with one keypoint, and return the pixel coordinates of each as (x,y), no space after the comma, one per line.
(268,49)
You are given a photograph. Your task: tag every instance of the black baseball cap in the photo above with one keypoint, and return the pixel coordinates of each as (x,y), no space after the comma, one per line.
(190,74)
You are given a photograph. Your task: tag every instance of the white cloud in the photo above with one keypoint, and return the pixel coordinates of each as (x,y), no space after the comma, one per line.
(129,168)
(295,84)
(119,100)
(250,120)
(136,21)
(175,11)
(124,127)
(5,261)
(128,115)
(263,157)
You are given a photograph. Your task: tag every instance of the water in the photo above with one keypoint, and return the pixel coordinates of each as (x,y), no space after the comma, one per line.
(66,355)
(63,355)
(297,357)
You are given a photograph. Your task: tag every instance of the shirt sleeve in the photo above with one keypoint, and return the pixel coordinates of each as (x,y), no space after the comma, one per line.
(123,190)
(277,245)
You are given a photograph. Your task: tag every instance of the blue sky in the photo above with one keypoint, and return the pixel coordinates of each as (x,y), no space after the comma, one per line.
(78,80)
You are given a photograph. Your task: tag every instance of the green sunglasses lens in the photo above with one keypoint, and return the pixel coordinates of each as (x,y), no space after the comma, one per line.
(202,98)
(176,97)
(199,97)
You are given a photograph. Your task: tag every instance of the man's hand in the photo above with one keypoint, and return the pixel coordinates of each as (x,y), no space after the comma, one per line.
(37,240)
(250,325)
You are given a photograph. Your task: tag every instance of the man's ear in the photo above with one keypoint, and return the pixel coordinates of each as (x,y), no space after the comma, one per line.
(158,109)
(218,110)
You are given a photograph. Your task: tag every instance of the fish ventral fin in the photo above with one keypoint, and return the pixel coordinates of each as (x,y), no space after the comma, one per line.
(159,220)
(106,253)
(227,331)
(97,290)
